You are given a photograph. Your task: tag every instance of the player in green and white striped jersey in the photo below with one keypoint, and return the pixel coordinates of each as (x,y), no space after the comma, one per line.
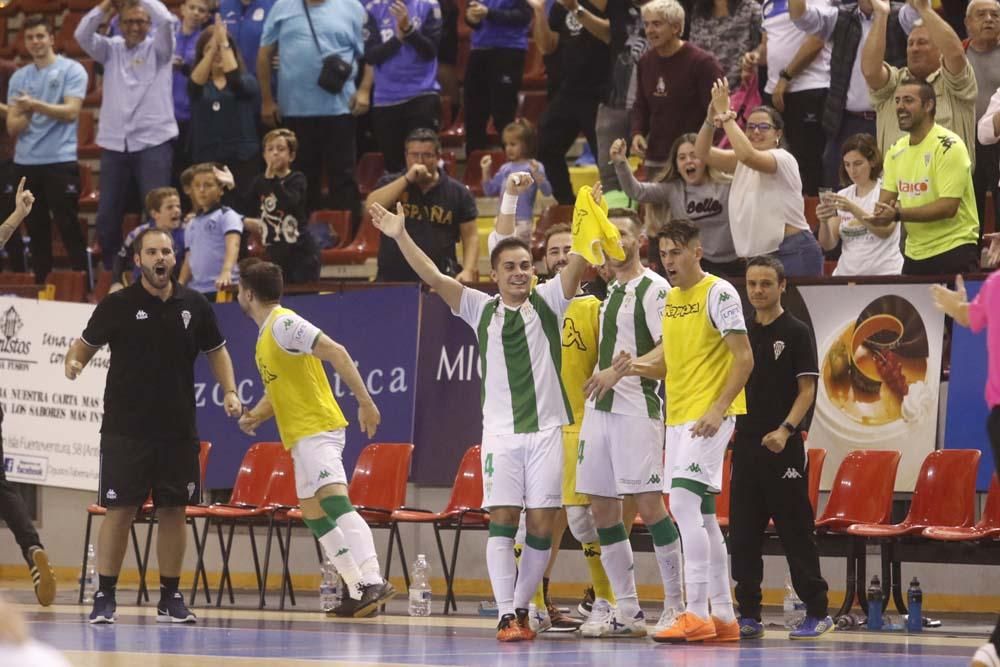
(524,403)
(621,439)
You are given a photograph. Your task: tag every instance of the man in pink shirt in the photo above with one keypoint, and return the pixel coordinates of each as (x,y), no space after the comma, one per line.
(982,313)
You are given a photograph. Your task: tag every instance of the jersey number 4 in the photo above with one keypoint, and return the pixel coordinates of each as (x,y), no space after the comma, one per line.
(579,452)
(488,465)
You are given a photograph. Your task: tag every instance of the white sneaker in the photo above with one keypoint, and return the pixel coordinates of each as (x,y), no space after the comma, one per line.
(617,626)
(986,656)
(667,619)
(600,610)
(538,619)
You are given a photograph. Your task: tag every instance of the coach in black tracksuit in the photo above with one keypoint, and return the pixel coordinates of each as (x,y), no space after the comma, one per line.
(769,478)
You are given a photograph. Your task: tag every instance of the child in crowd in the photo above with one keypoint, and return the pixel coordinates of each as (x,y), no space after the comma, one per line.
(163,206)
(519,145)
(212,238)
(281,194)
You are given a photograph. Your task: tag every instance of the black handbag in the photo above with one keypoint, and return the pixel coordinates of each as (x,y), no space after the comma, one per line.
(335,70)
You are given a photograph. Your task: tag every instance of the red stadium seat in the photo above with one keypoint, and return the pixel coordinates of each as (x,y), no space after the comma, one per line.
(987,528)
(370,168)
(339,223)
(530,106)
(534,69)
(363,247)
(474,171)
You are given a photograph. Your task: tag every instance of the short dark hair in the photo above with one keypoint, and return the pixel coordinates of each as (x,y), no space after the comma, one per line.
(681,232)
(156,197)
(263,278)
(627,214)
(867,146)
(137,244)
(424,134)
(926,91)
(508,243)
(769,262)
(34,22)
(558,228)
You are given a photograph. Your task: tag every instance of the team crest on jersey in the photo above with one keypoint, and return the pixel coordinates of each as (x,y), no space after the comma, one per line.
(573,24)
(186,318)
(779,347)
(661,88)
(927,159)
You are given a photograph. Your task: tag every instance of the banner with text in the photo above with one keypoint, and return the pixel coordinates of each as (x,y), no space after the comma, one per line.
(51,426)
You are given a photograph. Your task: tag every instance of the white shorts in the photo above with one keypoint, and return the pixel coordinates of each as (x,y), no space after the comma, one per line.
(523,469)
(619,454)
(319,461)
(697,459)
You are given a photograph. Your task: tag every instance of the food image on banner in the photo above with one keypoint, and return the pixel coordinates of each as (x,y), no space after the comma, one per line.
(879,349)
(51,426)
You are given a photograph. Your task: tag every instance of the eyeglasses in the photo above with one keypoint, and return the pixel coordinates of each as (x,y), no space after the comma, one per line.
(421,156)
(759,127)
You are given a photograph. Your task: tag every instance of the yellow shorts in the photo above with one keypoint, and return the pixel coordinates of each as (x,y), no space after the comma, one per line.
(571,445)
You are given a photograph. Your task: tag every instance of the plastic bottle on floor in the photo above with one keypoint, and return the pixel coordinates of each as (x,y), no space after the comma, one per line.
(420,587)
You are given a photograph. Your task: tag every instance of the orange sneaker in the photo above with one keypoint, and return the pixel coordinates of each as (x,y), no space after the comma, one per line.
(524,621)
(688,628)
(726,632)
(509,630)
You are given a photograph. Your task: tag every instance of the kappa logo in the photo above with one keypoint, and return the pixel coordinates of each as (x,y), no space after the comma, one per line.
(324,474)
(287,323)
(572,336)
(791,473)
(590,552)
(661,295)
(342,551)
(725,296)
(779,347)
(141,315)
(694,467)
(654,479)
(111,495)
(186,317)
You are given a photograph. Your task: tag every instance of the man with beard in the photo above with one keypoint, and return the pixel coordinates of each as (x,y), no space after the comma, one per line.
(927,185)
(155,329)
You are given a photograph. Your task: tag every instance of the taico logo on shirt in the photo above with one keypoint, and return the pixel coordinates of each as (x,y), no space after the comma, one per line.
(917,188)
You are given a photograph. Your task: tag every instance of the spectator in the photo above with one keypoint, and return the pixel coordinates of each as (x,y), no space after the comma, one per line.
(982,20)
(674,84)
(934,54)
(212,237)
(137,118)
(194,16)
(988,133)
(727,29)
(280,194)
(519,145)
(578,29)
(628,44)
(928,187)
(163,206)
(798,76)
(866,249)
(44,101)
(766,210)
(225,98)
(244,20)
(496,65)
(688,190)
(322,120)
(848,107)
(439,212)
(12,255)
(401,43)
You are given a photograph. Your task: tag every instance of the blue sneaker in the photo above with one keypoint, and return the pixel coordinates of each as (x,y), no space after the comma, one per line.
(811,628)
(104,608)
(751,628)
(172,609)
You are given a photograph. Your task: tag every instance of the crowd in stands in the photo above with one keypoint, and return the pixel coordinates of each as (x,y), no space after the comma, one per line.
(739,112)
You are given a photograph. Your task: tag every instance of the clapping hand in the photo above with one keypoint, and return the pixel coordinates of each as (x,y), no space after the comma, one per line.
(402,16)
(993,254)
(883,215)
(225,177)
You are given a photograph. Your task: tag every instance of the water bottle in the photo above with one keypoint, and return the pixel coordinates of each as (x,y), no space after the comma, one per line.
(90,578)
(915,602)
(875,604)
(793,607)
(329,587)
(848,622)
(420,587)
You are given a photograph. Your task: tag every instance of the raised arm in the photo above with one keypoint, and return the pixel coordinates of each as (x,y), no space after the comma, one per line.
(873,66)
(86,35)
(722,159)
(545,38)
(816,20)
(23,201)
(163,22)
(943,36)
(743,150)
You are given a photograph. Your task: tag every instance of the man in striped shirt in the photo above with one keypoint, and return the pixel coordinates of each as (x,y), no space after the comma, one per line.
(524,403)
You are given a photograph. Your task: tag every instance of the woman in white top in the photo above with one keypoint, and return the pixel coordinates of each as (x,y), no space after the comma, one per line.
(866,250)
(766,209)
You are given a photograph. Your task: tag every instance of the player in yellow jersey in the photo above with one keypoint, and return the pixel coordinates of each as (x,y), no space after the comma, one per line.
(290,355)
(705,358)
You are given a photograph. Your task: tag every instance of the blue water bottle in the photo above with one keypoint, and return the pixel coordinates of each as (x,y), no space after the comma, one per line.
(915,603)
(875,604)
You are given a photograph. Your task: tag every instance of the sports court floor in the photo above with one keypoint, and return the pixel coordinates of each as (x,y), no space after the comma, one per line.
(252,638)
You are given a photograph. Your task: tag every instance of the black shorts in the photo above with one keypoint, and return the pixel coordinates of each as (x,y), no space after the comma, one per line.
(132,467)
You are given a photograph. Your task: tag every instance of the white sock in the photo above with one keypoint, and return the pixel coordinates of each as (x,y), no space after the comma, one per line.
(719,592)
(359,538)
(618,564)
(503,571)
(340,554)
(668,558)
(529,574)
(685,505)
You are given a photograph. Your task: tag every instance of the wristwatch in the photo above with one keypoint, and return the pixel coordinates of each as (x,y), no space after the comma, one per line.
(784,74)
(791,428)
(899,213)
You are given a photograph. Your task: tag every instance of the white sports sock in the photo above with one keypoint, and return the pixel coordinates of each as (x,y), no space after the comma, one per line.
(529,574)
(618,563)
(719,592)
(503,571)
(359,538)
(685,505)
(340,554)
(668,558)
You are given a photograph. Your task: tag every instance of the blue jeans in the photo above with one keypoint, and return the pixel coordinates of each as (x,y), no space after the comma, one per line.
(801,255)
(148,168)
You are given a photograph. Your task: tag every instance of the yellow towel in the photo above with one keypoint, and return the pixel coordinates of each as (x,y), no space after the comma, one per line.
(593,233)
